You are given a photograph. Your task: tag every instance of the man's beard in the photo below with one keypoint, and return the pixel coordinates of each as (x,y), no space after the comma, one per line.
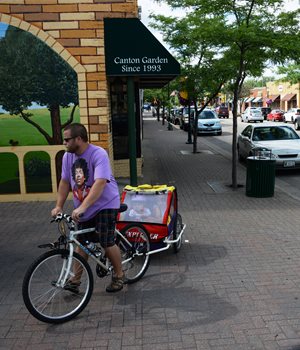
(72,149)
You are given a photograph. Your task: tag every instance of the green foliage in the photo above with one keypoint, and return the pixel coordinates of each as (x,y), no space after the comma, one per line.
(291,73)
(243,37)
(37,164)
(30,71)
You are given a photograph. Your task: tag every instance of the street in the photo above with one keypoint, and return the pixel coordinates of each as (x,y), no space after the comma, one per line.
(288,181)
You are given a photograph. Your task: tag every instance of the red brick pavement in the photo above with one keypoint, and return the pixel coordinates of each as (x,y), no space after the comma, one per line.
(234,285)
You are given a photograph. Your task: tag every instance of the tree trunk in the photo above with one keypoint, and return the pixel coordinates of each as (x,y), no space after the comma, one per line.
(56,125)
(163,115)
(157,113)
(195,128)
(234,138)
(236,93)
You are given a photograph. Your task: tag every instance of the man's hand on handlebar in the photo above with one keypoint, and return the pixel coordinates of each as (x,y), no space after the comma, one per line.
(56,211)
(77,213)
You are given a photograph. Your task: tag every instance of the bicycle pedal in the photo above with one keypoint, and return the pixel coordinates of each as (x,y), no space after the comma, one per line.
(47,245)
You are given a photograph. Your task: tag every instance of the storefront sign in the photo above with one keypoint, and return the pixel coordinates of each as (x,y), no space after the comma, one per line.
(132,50)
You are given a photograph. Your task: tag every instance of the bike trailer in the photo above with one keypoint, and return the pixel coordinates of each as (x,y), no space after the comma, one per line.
(155,208)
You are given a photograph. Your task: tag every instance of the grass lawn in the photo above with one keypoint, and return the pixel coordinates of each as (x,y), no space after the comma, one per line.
(14,128)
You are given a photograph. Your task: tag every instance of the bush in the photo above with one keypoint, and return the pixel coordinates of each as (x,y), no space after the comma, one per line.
(37,167)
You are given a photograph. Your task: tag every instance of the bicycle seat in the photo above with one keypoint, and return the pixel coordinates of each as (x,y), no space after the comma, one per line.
(123,207)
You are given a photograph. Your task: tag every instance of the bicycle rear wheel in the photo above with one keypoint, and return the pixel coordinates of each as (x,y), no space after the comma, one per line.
(135,260)
(45,298)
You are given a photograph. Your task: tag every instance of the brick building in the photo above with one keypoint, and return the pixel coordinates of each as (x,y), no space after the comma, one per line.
(75,30)
(276,94)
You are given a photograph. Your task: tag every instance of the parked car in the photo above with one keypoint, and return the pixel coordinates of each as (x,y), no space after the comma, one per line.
(147,106)
(276,115)
(264,111)
(184,117)
(209,123)
(222,112)
(291,114)
(175,115)
(252,114)
(282,140)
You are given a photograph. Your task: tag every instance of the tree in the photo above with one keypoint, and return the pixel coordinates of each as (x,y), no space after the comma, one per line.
(203,71)
(246,36)
(291,73)
(32,72)
(159,98)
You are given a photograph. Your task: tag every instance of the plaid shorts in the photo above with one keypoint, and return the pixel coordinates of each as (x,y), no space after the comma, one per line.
(104,222)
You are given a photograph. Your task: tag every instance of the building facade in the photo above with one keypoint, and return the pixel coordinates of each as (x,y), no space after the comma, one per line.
(276,95)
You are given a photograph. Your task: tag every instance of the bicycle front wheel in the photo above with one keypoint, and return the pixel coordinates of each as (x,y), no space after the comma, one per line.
(44,295)
(134,249)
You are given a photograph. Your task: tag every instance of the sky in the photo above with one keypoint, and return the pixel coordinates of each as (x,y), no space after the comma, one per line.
(149,6)
(2,29)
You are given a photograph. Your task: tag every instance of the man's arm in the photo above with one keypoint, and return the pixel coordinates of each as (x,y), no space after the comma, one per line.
(62,194)
(95,192)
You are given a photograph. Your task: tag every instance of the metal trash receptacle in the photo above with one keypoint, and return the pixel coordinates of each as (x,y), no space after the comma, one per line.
(260,180)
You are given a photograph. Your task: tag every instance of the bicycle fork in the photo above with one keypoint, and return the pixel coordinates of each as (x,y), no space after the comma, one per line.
(66,268)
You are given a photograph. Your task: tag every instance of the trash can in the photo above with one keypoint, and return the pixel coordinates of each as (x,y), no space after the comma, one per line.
(260,180)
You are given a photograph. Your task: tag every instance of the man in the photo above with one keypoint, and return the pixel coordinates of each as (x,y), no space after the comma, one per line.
(97,205)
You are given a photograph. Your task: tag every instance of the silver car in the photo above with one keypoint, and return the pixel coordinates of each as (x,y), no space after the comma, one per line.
(252,114)
(281,140)
(209,123)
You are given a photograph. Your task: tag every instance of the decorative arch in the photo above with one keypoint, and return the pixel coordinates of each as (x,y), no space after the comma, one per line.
(62,52)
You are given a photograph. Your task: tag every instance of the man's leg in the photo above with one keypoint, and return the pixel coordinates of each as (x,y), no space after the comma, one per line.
(114,255)
(118,279)
(77,268)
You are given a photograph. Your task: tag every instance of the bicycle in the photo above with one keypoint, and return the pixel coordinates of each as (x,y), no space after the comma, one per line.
(44,289)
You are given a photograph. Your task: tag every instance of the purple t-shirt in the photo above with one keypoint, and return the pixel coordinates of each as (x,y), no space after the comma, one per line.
(82,170)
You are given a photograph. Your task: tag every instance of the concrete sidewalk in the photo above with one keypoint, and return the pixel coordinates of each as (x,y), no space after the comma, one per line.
(234,285)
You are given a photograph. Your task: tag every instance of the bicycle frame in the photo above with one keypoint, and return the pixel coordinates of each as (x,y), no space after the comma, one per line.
(168,242)
(71,240)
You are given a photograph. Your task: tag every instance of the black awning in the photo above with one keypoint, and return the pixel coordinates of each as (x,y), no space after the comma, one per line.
(132,50)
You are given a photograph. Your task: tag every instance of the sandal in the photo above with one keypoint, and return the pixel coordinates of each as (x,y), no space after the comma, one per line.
(116,284)
(70,286)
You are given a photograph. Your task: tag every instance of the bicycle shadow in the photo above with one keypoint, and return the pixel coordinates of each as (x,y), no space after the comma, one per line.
(191,254)
(188,305)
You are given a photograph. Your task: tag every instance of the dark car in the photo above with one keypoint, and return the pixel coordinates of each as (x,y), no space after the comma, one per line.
(222,112)
(265,111)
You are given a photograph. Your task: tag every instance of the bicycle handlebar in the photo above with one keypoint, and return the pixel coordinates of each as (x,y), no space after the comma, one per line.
(61,216)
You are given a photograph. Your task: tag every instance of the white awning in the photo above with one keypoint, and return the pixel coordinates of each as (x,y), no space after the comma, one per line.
(257,99)
(249,99)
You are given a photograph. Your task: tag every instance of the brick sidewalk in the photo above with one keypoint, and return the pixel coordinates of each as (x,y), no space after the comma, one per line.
(234,285)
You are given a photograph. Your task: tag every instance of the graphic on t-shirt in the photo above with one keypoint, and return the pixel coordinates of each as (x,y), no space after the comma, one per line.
(80,175)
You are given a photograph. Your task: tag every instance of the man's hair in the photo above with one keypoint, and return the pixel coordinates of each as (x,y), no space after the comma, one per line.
(77,129)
